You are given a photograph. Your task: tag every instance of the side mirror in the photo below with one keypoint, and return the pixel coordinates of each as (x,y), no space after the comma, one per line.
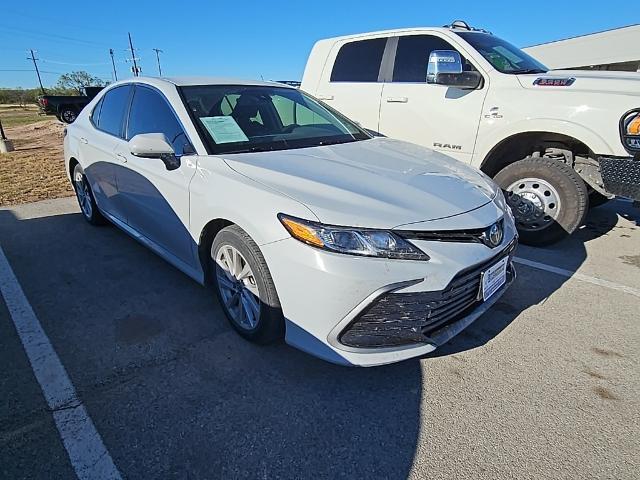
(150,145)
(445,68)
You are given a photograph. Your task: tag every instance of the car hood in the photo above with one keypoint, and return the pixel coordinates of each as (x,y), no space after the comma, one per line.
(376,183)
(626,83)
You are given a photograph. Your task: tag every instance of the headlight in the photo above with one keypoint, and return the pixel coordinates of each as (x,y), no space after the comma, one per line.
(630,130)
(353,241)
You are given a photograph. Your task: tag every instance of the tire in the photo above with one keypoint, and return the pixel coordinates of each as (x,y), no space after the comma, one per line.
(68,114)
(254,289)
(548,199)
(596,199)
(86,200)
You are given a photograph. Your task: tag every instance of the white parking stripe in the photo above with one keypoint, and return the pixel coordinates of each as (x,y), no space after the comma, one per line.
(578,276)
(88,455)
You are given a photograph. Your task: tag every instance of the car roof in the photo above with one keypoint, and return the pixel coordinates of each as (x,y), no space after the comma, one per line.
(186,81)
(402,30)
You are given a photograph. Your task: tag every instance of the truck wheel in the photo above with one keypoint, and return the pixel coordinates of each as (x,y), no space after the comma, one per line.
(548,199)
(68,114)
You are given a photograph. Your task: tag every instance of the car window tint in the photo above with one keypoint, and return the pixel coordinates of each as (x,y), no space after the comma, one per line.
(294,113)
(359,61)
(412,57)
(95,114)
(150,113)
(114,105)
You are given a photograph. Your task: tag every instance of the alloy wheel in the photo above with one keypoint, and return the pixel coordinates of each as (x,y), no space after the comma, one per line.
(84,195)
(238,287)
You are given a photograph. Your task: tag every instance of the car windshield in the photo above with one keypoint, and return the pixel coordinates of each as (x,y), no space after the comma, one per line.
(249,118)
(502,55)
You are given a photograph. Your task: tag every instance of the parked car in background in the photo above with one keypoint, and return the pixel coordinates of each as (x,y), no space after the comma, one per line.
(556,141)
(67,107)
(360,250)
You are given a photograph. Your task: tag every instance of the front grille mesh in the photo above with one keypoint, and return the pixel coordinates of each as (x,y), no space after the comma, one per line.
(405,318)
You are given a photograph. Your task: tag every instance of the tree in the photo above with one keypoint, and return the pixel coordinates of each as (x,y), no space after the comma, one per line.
(76,80)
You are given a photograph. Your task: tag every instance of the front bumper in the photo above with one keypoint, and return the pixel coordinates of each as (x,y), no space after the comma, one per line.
(323,293)
(621,176)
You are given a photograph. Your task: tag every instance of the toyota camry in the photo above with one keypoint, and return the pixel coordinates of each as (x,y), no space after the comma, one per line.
(356,248)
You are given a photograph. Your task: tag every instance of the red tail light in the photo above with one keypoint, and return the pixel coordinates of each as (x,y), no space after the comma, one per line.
(44,102)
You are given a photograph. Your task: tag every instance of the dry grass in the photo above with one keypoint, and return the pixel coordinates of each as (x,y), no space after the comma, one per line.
(15,115)
(35,170)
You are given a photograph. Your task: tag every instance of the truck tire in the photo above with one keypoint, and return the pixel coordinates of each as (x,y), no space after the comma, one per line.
(68,114)
(548,199)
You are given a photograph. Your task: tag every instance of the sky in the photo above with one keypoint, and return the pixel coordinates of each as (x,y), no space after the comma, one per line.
(250,39)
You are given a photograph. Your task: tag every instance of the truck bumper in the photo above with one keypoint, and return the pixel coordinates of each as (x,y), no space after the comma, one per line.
(621,176)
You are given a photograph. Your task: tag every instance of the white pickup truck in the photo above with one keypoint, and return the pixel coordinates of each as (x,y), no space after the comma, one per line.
(556,141)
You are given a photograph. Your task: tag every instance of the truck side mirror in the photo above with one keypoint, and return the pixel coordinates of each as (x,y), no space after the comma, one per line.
(445,68)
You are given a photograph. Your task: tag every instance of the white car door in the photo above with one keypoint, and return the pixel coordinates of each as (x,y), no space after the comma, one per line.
(155,192)
(353,85)
(435,116)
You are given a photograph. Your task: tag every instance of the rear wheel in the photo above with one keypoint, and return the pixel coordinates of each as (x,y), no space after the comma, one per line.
(244,286)
(548,198)
(68,114)
(85,197)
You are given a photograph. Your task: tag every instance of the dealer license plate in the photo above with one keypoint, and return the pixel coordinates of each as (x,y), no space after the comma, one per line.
(493,278)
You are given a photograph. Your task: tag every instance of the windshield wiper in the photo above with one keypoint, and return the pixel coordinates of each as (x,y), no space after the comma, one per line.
(528,70)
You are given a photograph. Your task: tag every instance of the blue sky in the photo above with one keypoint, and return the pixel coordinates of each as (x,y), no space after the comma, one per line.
(252,39)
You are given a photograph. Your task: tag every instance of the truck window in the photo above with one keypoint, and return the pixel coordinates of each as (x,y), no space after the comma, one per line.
(359,61)
(114,106)
(412,57)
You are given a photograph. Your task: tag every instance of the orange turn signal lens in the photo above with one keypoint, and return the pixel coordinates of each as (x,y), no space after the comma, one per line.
(633,127)
(301,231)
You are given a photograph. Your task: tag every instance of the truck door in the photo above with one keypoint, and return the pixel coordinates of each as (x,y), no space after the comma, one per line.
(351,83)
(435,116)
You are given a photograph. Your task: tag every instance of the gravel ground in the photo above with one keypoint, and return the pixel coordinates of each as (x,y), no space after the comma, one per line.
(545,385)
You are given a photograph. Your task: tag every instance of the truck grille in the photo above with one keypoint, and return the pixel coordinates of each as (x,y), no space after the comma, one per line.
(407,318)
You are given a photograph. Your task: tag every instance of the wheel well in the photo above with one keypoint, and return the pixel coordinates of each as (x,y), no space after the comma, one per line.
(518,146)
(72,164)
(209,232)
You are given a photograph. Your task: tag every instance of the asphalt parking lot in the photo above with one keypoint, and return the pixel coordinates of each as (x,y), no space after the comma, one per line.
(546,385)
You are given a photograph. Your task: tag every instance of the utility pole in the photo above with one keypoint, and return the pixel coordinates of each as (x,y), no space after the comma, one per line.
(115,74)
(33,58)
(158,52)
(136,71)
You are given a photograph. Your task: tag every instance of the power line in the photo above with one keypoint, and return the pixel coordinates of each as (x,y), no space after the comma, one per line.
(158,52)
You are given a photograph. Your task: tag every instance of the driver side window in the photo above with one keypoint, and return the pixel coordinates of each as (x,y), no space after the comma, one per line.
(150,113)
(412,57)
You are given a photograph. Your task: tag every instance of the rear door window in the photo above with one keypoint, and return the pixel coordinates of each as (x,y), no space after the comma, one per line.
(95,115)
(114,107)
(359,61)
(412,57)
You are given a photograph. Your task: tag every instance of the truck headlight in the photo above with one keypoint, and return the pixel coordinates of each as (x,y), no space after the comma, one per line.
(354,241)
(630,130)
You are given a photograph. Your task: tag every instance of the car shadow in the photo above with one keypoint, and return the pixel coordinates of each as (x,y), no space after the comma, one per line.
(175,393)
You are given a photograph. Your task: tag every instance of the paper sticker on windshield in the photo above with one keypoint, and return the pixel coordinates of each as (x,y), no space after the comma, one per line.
(224,129)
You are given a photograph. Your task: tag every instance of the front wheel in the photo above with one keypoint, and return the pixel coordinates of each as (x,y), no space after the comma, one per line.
(244,286)
(548,198)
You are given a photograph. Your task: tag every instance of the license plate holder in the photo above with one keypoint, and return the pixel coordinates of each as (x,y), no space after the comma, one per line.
(493,278)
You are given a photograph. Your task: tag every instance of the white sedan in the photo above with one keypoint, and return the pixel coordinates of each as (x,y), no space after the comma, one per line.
(361,250)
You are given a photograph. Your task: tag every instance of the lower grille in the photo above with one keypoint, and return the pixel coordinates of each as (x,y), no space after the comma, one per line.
(396,319)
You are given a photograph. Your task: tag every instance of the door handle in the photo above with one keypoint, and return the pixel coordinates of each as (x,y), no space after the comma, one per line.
(121,157)
(325,97)
(397,99)
(84,140)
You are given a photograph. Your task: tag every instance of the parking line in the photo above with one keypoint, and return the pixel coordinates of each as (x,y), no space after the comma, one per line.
(578,276)
(87,453)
